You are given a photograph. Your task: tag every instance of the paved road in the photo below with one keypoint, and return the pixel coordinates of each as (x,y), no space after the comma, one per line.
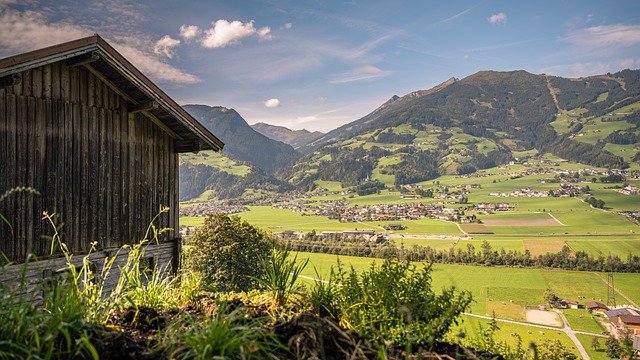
(572,335)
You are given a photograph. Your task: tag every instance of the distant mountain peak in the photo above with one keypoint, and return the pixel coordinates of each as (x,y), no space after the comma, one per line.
(295,138)
(242,140)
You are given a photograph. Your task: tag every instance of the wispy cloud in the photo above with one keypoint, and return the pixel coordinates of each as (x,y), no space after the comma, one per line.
(456,16)
(582,69)
(601,49)
(498,19)
(597,37)
(287,26)
(25,30)
(365,72)
(165,46)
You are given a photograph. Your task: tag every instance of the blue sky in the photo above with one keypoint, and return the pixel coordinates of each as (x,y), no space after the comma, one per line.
(321,64)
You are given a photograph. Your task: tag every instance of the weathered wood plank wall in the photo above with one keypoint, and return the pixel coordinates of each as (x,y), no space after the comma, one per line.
(105,172)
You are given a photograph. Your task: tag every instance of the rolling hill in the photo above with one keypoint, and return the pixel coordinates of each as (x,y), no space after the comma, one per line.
(487,119)
(458,127)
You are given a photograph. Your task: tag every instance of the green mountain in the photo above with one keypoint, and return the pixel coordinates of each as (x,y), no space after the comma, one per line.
(484,120)
(246,165)
(295,138)
(242,141)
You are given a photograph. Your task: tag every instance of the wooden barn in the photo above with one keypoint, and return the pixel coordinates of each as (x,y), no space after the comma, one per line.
(99,142)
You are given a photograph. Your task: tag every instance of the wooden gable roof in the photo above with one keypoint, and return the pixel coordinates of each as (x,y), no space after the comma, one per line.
(141,94)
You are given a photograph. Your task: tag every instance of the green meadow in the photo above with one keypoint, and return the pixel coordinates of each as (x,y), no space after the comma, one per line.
(471,326)
(514,285)
(505,293)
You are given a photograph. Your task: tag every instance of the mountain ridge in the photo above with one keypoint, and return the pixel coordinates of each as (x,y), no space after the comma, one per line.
(241,139)
(295,138)
(484,120)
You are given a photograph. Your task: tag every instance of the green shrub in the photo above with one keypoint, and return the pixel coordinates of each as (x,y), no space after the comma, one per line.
(395,303)
(225,252)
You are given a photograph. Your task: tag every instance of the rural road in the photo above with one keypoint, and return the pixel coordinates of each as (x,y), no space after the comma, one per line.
(567,330)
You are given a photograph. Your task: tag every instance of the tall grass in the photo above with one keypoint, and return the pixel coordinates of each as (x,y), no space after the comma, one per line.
(75,305)
(228,334)
(280,274)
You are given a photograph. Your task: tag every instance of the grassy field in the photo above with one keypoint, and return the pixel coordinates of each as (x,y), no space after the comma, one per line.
(472,325)
(216,160)
(516,285)
(506,292)
(581,320)
(599,353)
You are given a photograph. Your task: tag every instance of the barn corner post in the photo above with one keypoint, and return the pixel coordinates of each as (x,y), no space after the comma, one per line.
(101,142)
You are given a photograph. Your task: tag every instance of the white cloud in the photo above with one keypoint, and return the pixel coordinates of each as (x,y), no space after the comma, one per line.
(30,30)
(498,19)
(364,72)
(225,33)
(321,98)
(369,69)
(583,69)
(138,52)
(272,103)
(189,32)
(616,35)
(265,33)
(287,26)
(165,46)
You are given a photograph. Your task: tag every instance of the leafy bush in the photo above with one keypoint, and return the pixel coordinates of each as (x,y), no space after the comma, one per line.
(225,252)
(395,302)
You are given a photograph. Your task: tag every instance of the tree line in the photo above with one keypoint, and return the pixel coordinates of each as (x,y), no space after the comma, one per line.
(565,259)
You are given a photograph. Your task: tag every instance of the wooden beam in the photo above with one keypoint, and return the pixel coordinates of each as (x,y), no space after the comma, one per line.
(10,80)
(183,146)
(110,84)
(162,126)
(145,106)
(83,59)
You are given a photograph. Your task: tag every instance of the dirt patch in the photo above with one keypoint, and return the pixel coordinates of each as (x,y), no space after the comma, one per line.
(475,229)
(542,246)
(541,317)
(521,222)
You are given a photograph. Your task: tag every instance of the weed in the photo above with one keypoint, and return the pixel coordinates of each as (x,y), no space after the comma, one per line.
(226,335)
(280,274)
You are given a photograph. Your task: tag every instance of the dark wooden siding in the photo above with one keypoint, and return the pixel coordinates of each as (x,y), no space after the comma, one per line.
(105,172)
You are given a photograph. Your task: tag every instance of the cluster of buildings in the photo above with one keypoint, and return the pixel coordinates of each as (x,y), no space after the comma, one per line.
(566,190)
(211,208)
(630,190)
(624,319)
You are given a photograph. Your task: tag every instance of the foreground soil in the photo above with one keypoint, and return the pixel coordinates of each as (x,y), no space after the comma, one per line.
(306,336)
